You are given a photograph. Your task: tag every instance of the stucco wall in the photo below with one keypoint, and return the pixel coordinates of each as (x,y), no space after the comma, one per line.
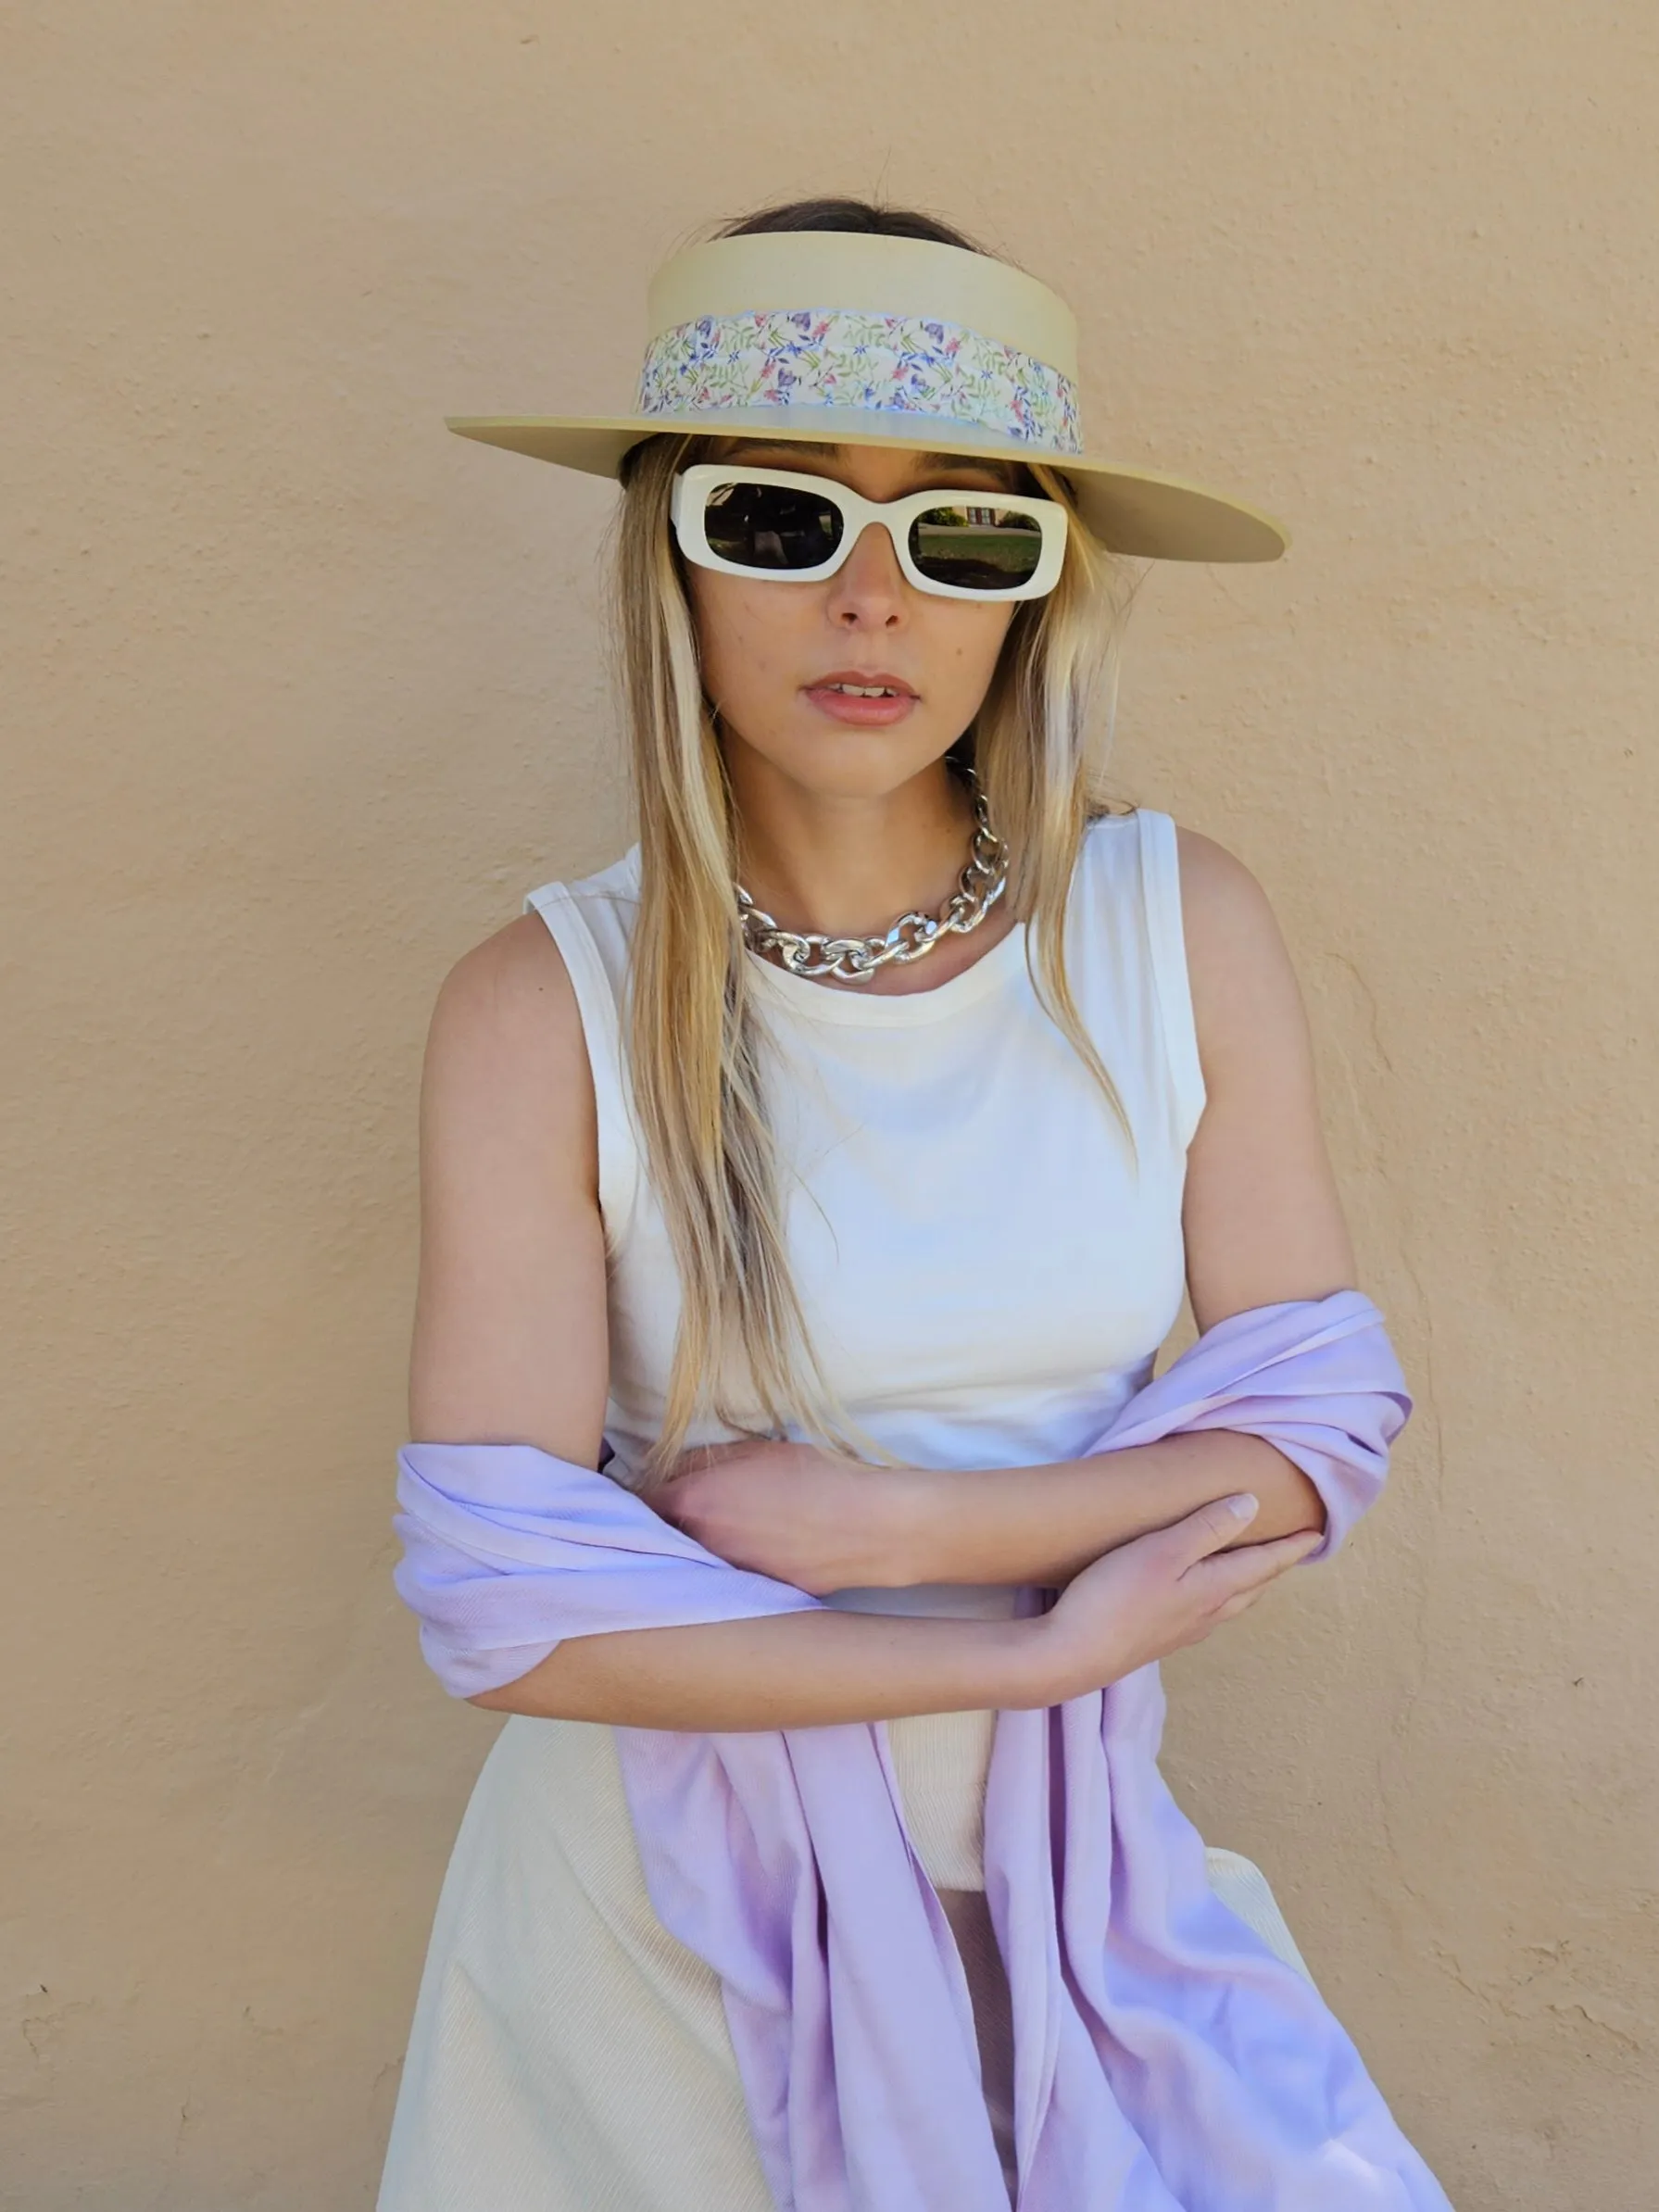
(303,693)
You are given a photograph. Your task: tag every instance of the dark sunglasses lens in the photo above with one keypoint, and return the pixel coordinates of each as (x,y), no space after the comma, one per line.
(978,548)
(771,526)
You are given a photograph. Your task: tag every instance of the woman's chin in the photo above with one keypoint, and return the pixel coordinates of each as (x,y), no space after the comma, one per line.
(833,760)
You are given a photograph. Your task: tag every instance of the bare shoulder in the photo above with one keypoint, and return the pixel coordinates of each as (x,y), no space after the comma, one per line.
(1221,899)
(1262,1213)
(506,1010)
(506,1077)
(509,1328)
(1245,996)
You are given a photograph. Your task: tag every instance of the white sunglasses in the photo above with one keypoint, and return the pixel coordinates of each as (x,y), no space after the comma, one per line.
(960,545)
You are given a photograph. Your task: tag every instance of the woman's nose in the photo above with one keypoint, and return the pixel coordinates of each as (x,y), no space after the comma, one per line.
(868,588)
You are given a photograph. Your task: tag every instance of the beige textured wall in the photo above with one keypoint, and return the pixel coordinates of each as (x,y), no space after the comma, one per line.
(303,693)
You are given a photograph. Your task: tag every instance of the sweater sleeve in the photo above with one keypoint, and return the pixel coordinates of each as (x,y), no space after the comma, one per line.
(1316,1377)
(507,1550)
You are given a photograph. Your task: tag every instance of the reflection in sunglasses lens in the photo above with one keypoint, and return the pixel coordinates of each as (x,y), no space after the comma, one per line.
(978,548)
(771,526)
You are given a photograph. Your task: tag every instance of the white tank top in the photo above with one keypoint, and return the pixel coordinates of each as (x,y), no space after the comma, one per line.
(985,1270)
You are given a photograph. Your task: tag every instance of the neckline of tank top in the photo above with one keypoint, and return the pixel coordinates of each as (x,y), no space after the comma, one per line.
(846,1002)
(829,1002)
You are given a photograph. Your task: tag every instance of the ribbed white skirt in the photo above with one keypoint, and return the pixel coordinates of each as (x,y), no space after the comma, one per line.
(569,2055)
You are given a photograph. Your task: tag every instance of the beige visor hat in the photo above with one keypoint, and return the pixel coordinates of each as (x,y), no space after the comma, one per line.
(847,339)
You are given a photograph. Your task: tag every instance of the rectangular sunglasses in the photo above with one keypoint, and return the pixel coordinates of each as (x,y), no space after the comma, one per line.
(960,545)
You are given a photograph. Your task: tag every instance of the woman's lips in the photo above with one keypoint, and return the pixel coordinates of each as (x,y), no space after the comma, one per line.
(848,698)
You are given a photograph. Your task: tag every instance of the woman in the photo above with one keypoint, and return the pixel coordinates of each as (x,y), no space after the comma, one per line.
(844,1245)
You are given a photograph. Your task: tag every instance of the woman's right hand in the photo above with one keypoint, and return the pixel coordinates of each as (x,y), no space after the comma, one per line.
(1165,1589)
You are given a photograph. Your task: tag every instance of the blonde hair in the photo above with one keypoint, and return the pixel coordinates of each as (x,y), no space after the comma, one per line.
(1037,745)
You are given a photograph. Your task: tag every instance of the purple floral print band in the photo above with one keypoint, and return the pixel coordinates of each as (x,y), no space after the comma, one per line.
(833,357)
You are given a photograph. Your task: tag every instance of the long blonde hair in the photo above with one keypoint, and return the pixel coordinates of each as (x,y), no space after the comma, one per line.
(1038,745)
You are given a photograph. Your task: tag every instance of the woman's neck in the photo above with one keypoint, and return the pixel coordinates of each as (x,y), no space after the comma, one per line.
(848,864)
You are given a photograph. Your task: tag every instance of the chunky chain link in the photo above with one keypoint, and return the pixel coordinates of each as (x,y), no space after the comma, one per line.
(855,960)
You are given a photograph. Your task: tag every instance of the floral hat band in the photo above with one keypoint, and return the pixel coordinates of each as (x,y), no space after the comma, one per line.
(930,345)
(841,357)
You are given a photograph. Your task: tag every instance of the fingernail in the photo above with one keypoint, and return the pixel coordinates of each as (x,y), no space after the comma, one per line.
(1244,1507)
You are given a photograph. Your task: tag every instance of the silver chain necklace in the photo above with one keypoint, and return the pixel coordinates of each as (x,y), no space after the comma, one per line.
(855,960)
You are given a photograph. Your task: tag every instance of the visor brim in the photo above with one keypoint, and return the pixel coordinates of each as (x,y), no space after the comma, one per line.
(1136,512)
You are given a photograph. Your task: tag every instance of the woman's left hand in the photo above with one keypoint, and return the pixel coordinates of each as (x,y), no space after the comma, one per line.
(793,1511)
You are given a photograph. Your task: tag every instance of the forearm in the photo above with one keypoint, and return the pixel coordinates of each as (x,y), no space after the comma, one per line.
(1046,1524)
(790,1671)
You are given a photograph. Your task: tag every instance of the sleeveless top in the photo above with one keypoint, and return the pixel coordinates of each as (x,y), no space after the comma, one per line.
(986,1268)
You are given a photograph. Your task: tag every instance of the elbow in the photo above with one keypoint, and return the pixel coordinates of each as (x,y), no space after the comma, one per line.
(512,1697)
(1309,1512)
(537,1692)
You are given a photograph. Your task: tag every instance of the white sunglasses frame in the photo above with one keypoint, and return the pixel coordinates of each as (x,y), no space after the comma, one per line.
(689,505)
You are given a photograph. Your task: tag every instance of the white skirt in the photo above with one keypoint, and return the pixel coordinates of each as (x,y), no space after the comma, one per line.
(569,2055)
